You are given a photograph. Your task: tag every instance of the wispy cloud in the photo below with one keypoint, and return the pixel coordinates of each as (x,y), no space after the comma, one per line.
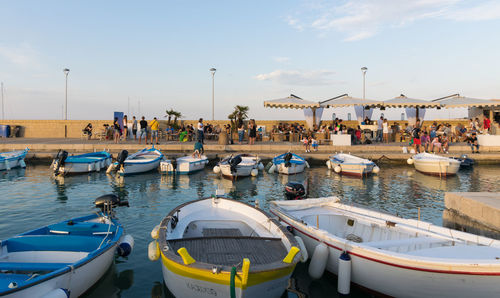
(361,19)
(283,60)
(23,55)
(298,77)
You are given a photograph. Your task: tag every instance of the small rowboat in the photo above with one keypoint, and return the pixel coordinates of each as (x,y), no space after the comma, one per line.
(184,165)
(242,165)
(218,247)
(63,259)
(64,164)
(351,165)
(140,162)
(288,164)
(13,159)
(391,255)
(433,164)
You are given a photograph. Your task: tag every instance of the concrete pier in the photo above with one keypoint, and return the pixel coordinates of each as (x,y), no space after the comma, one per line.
(475,212)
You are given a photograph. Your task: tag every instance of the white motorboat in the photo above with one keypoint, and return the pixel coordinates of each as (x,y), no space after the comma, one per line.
(390,255)
(13,159)
(242,165)
(63,259)
(64,164)
(288,164)
(218,247)
(140,162)
(184,165)
(433,164)
(351,165)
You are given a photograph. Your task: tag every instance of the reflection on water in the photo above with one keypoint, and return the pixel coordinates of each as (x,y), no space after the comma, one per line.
(32,197)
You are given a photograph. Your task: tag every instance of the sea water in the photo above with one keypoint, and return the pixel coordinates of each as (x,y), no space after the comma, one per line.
(32,197)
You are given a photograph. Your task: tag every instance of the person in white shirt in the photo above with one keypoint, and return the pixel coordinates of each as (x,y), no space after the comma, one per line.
(200,130)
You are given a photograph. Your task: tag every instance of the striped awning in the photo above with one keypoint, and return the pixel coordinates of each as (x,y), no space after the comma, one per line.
(406,102)
(291,102)
(346,101)
(458,101)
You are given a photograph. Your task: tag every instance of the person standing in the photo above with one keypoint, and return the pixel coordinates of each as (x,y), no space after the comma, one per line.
(379,129)
(241,133)
(144,130)
(134,127)
(252,132)
(125,128)
(154,131)
(200,131)
(385,130)
(116,130)
(486,124)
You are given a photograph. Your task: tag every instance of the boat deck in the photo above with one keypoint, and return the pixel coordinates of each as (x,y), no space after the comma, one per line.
(228,247)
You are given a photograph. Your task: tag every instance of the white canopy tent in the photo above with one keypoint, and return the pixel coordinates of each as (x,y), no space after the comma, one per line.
(457,101)
(312,110)
(362,107)
(414,108)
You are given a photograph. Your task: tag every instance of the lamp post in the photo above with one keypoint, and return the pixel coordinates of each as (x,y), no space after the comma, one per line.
(364,69)
(212,70)
(66,72)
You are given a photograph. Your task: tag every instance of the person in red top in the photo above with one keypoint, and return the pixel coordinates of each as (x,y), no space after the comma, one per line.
(486,124)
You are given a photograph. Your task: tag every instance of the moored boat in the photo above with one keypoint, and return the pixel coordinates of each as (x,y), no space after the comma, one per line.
(433,164)
(351,165)
(63,259)
(390,255)
(218,247)
(184,165)
(288,163)
(13,159)
(140,162)
(64,164)
(242,165)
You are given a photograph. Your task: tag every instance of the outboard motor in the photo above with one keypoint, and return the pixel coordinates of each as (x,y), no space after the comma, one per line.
(233,163)
(174,164)
(295,191)
(60,159)
(288,157)
(121,157)
(107,202)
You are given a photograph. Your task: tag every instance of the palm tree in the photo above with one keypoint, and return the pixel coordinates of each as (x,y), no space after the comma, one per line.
(170,113)
(176,115)
(241,113)
(233,116)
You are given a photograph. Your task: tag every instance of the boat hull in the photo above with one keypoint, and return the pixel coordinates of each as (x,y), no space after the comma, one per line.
(183,166)
(9,162)
(358,170)
(294,168)
(80,168)
(241,171)
(437,168)
(136,167)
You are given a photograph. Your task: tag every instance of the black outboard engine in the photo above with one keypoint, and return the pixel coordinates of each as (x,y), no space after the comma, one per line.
(61,159)
(233,163)
(174,164)
(295,191)
(121,157)
(107,202)
(288,157)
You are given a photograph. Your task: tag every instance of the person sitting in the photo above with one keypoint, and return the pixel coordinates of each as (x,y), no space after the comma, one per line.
(436,144)
(445,143)
(198,149)
(472,141)
(183,136)
(88,130)
(425,141)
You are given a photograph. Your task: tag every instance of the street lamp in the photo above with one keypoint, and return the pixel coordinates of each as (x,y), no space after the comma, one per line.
(212,70)
(364,69)
(66,72)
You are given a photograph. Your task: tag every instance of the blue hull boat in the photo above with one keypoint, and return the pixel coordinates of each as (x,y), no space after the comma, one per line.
(13,159)
(63,259)
(64,164)
(288,163)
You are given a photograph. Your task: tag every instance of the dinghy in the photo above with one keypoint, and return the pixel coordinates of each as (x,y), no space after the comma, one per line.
(390,255)
(13,159)
(184,165)
(64,164)
(218,247)
(242,165)
(433,164)
(143,161)
(63,259)
(288,164)
(351,165)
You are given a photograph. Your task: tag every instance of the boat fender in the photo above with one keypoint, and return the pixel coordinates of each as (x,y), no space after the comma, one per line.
(260,166)
(90,167)
(376,169)
(303,251)
(216,169)
(410,161)
(318,261)
(307,165)
(254,172)
(289,229)
(22,163)
(329,164)
(272,169)
(153,251)
(155,233)
(337,169)
(268,166)
(344,274)
(57,293)
(126,246)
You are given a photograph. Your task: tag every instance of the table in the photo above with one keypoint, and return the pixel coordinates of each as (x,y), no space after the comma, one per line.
(340,140)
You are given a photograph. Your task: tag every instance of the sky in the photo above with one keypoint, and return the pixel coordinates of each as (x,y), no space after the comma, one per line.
(144,57)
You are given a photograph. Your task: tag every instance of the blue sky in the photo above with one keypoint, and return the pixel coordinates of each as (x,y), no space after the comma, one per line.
(158,54)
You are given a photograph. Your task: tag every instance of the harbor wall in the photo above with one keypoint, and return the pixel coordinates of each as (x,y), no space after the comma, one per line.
(73,128)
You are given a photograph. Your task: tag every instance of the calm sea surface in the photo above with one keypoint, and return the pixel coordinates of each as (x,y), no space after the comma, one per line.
(32,198)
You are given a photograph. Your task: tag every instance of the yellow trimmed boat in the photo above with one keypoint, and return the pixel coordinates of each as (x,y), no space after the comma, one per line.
(218,247)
